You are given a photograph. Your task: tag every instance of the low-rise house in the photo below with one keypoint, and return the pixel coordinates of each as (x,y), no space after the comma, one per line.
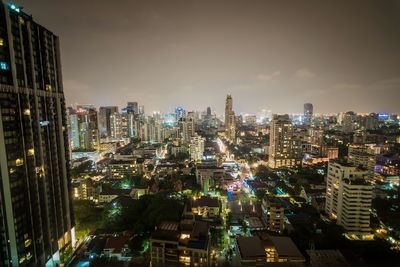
(184,243)
(256,251)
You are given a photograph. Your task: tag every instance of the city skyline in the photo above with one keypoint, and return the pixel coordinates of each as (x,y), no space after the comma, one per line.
(118,149)
(170,55)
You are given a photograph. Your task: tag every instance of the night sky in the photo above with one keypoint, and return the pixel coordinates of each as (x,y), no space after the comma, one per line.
(339,55)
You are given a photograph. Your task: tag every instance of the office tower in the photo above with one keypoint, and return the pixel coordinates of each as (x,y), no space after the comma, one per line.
(284,146)
(348,198)
(308,113)
(230,128)
(36,219)
(105,114)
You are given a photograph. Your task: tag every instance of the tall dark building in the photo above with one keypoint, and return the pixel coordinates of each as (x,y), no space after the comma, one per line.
(230,128)
(208,112)
(132,108)
(36,218)
(308,113)
(105,119)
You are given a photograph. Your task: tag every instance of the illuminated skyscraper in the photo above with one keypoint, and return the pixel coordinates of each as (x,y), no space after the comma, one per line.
(230,128)
(36,219)
(284,146)
(83,127)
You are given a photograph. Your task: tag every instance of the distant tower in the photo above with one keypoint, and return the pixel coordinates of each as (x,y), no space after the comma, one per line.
(208,112)
(230,128)
(132,107)
(308,113)
(180,113)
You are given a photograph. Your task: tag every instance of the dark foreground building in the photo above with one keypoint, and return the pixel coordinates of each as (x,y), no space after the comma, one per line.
(36,219)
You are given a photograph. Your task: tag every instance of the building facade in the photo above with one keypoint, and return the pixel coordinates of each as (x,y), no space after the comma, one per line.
(348,198)
(105,120)
(308,113)
(36,218)
(230,126)
(273,213)
(284,147)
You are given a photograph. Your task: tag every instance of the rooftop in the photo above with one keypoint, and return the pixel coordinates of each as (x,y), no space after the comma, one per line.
(205,201)
(116,243)
(285,247)
(250,247)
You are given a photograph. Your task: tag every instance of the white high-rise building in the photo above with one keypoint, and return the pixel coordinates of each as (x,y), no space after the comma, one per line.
(348,198)
(74,131)
(362,156)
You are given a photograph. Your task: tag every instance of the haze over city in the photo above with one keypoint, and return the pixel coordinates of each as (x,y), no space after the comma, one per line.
(339,55)
(199,133)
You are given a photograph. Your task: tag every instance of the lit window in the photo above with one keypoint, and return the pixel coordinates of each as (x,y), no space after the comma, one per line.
(14,7)
(28,242)
(27,112)
(31,152)
(1,42)
(3,65)
(19,162)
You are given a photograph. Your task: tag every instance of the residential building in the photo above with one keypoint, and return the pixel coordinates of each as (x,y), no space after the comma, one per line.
(84,189)
(196,147)
(119,169)
(348,198)
(187,128)
(273,213)
(36,220)
(204,206)
(185,243)
(362,156)
(285,147)
(265,250)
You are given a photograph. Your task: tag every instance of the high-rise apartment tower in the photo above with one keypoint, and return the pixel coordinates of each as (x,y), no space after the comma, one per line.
(36,219)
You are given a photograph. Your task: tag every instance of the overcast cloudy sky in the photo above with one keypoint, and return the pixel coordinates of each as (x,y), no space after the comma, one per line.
(339,55)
